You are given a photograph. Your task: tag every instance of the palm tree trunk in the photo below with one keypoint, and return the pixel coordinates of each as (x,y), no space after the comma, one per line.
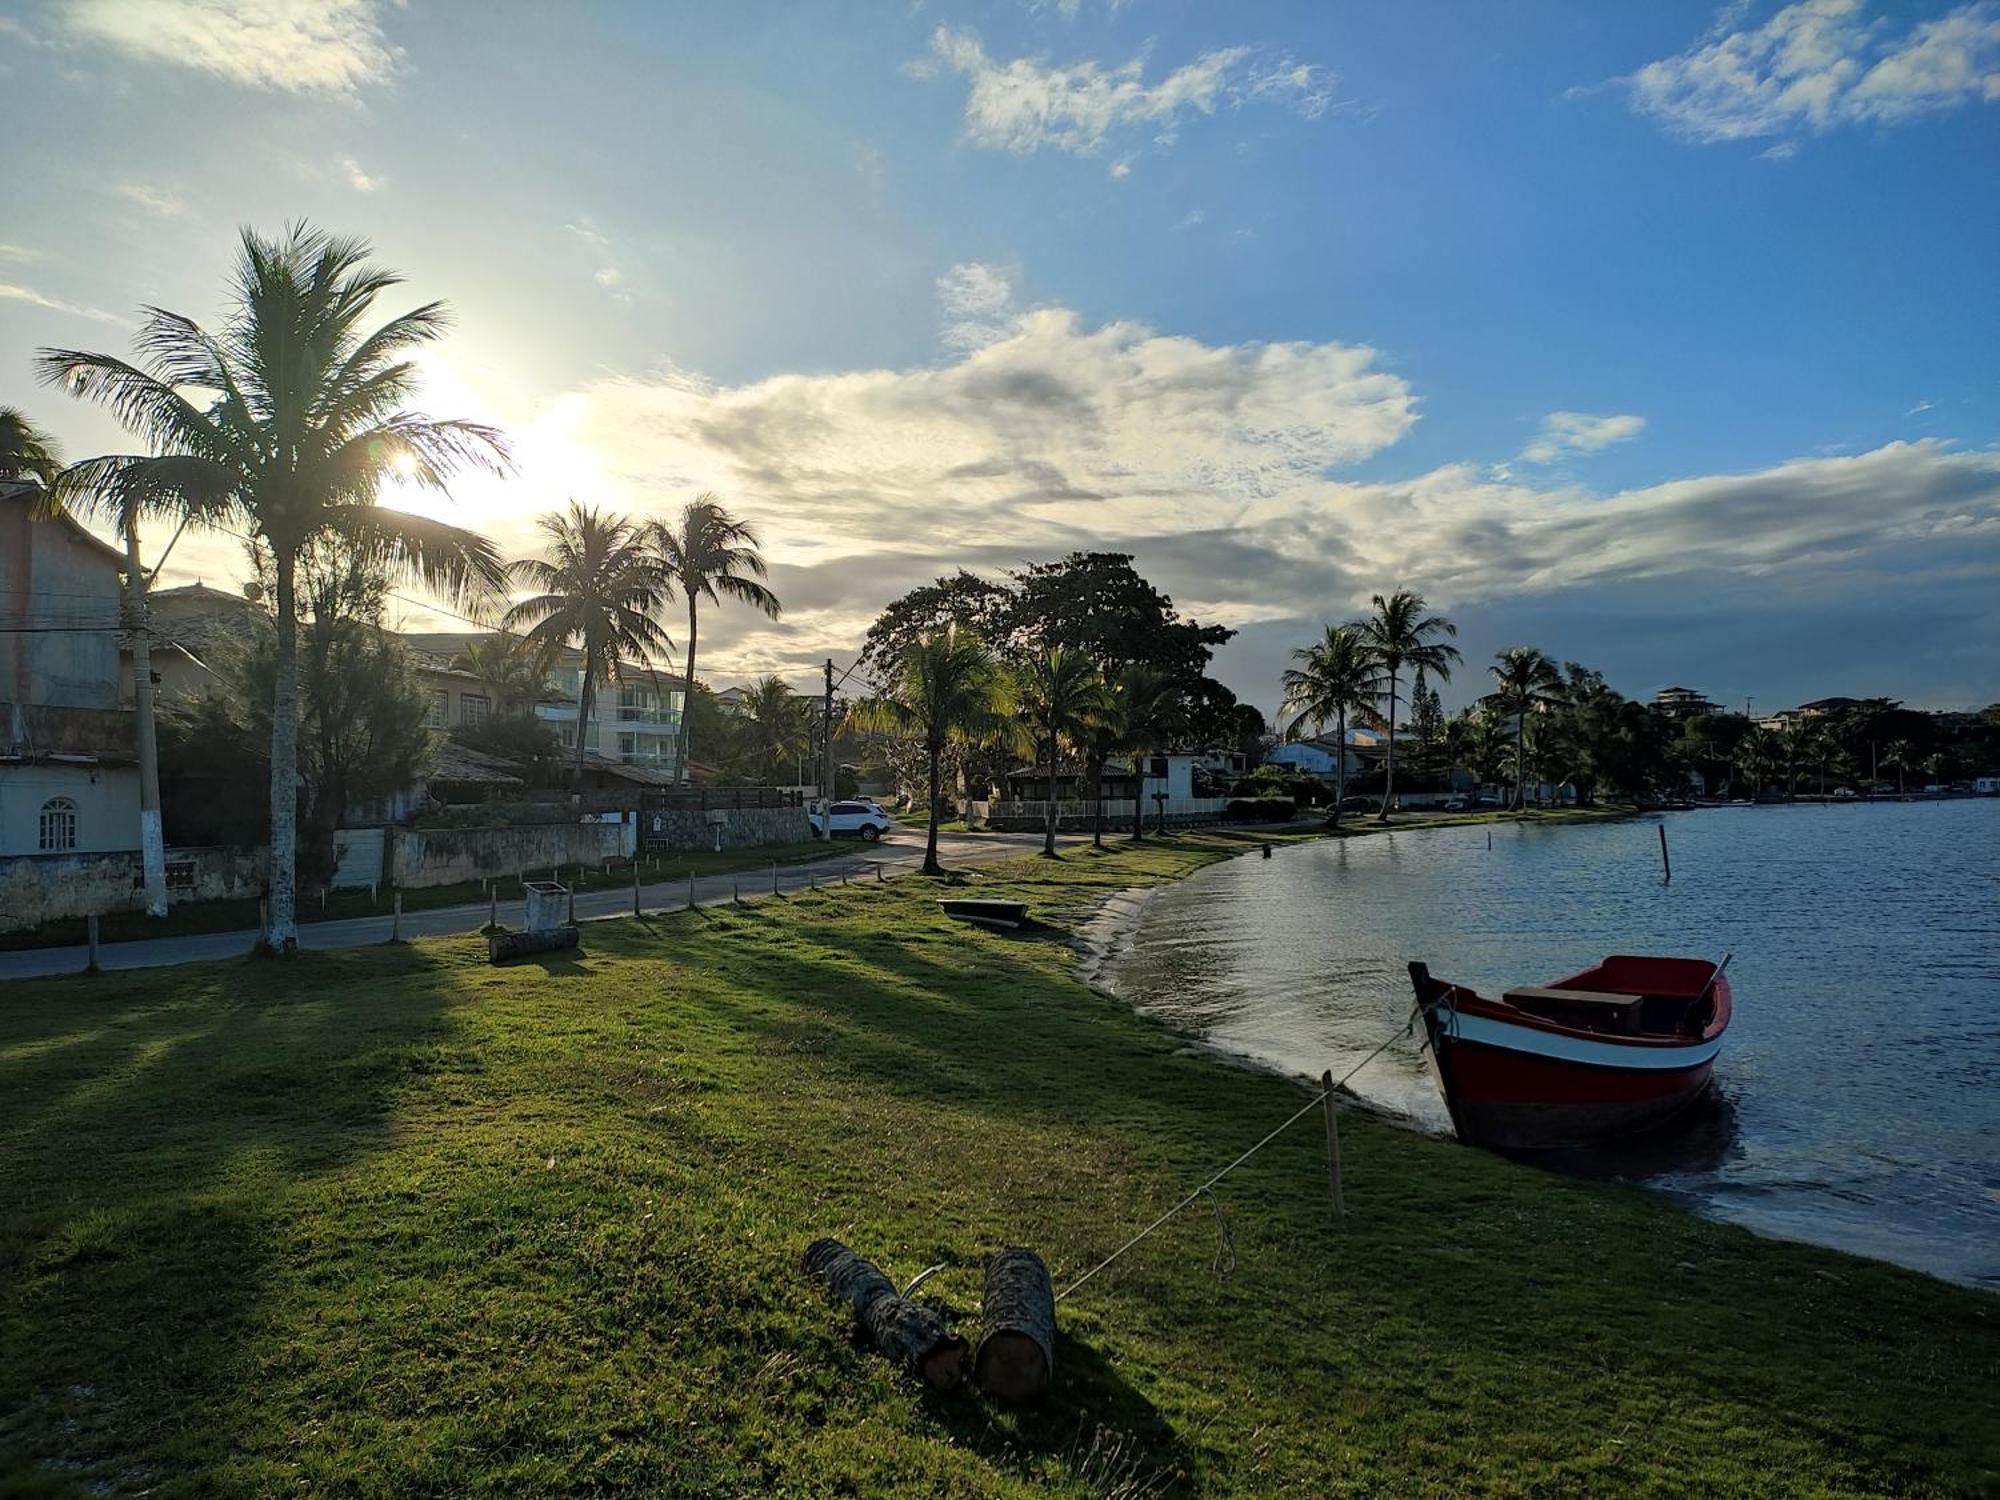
(1520,750)
(584,692)
(931,865)
(1138,801)
(1389,770)
(281,934)
(1049,822)
(687,700)
(1339,766)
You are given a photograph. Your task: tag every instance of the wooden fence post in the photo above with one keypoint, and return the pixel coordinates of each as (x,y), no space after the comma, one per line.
(635,886)
(1332,1145)
(396,926)
(690,890)
(90,926)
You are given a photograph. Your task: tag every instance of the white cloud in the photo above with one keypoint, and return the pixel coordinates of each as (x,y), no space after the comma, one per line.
(302,46)
(1195,218)
(154,200)
(15,293)
(357,179)
(1820,64)
(978,304)
(1024,104)
(1565,432)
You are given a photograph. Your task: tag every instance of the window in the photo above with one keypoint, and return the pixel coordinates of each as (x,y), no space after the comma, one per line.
(569,736)
(628,747)
(439,711)
(635,705)
(58,828)
(472,709)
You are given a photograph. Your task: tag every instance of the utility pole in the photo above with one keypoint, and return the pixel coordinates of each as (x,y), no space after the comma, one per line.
(826,789)
(152,842)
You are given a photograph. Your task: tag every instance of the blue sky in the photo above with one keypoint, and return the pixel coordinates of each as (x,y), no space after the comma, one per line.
(1663,337)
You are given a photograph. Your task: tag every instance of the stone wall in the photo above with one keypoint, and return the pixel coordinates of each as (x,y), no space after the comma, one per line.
(37,888)
(741,828)
(447,856)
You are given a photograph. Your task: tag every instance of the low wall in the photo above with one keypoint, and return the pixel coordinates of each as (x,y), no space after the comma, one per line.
(1016,816)
(448,856)
(739,828)
(37,888)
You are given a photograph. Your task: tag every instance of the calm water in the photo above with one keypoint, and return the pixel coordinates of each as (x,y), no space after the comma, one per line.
(1858,1095)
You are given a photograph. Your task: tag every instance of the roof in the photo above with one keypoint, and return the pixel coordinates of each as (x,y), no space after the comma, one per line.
(455,762)
(199,592)
(450,644)
(29,492)
(643,775)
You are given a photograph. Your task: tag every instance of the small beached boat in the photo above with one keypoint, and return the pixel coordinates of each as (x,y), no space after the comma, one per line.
(1616,1049)
(1004,916)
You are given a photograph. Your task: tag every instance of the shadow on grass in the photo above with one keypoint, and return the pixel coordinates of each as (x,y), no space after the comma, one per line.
(145,1165)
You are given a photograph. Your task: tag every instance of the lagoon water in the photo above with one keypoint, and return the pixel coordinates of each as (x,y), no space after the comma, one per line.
(1857,1099)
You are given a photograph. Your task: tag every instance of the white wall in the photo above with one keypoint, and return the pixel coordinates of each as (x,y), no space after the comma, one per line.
(107,806)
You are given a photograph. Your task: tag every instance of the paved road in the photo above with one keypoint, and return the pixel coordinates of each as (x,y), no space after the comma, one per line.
(898,854)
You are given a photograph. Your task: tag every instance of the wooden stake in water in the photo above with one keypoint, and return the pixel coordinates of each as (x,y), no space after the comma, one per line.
(1666,864)
(1332,1146)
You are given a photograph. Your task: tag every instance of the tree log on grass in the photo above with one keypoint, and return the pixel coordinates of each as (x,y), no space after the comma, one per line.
(1017,1349)
(904,1331)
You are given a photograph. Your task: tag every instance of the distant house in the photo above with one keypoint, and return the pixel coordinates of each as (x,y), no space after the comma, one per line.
(1321,757)
(1683,703)
(733,700)
(69,780)
(1073,783)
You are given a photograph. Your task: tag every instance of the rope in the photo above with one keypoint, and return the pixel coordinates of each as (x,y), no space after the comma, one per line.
(1306,1109)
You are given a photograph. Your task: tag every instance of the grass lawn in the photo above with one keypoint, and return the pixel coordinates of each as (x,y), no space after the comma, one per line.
(393,1221)
(234,916)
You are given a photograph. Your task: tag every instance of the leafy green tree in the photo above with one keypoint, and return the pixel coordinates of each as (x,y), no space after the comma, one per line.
(710,554)
(599,589)
(26,452)
(1128,719)
(1902,755)
(1400,634)
(285,424)
(950,687)
(964,602)
(517,668)
(776,729)
(1337,676)
(1061,694)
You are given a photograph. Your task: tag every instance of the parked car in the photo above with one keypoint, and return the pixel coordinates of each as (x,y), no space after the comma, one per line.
(1843,794)
(1458,803)
(865,819)
(1359,804)
(1489,799)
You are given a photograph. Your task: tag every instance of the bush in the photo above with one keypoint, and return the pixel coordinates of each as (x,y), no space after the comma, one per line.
(1260,810)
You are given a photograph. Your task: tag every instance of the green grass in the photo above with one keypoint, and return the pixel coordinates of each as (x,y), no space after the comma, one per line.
(393,1221)
(234,916)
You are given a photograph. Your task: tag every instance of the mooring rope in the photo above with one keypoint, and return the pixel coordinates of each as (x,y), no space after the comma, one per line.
(1309,1106)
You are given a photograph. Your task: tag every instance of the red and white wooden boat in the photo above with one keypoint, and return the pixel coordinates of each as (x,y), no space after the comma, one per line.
(1618,1048)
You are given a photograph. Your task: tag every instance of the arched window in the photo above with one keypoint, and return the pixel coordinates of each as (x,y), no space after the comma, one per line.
(58,825)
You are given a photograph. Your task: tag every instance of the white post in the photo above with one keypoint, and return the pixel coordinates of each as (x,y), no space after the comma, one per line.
(152,842)
(690,890)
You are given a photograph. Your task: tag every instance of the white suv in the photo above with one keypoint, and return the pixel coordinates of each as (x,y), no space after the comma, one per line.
(864,818)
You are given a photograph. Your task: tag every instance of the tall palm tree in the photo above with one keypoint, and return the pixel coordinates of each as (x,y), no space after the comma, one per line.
(517,669)
(946,688)
(1062,694)
(26,452)
(1399,634)
(1526,682)
(709,553)
(1335,676)
(283,425)
(1902,755)
(599,587)
(774,718)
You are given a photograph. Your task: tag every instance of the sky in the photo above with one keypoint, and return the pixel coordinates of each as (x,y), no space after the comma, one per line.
(1663,337)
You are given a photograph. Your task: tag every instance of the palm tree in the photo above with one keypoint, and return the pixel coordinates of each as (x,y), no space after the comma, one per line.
(1062,694)
(283,425)
(517,669)
(945,688)
(1335,676)
(600,587)
(26,452)
(710,553)
(1127,720)
(775,724)
(1902,755)
(1397,635)
(1527,682)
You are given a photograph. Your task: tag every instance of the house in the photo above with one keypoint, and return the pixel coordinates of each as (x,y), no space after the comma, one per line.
(1321,756)
(194,630)
(633,722)
(1073,783)
(1683,703)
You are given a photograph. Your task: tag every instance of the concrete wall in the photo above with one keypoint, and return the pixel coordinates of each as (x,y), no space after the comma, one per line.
(52,568)
(106,798)
(39,888)
(740,828)
(446,856)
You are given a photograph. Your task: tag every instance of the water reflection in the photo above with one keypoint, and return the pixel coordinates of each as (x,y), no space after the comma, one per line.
(1857,1102)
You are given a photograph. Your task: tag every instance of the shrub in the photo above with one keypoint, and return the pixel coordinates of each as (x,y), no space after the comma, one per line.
(1260,810)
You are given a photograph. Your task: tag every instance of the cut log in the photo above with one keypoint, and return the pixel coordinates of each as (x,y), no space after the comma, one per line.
(501,946)
(1017,1344)
(907,1332)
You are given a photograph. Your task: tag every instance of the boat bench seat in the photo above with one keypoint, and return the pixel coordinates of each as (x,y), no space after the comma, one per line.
(1571,997)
